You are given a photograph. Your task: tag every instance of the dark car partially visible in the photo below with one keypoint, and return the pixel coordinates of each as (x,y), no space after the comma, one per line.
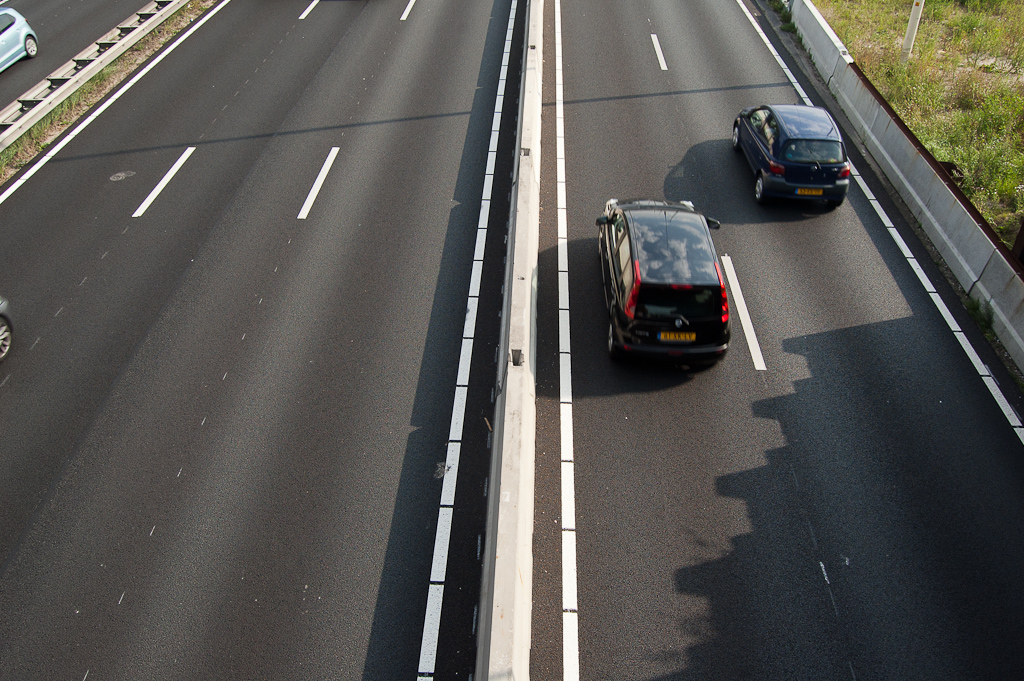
(663,285)
(5,329)
(795,152)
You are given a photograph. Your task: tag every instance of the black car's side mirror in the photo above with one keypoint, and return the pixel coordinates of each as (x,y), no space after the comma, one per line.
(713,223)
(601,221)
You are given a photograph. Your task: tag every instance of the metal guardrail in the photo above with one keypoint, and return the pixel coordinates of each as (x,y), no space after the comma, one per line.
(19,116)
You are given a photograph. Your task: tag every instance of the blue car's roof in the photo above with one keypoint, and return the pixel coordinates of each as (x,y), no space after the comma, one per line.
(807,122)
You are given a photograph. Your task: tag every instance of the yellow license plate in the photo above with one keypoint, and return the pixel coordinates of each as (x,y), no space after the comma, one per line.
(687,336)
(810,192)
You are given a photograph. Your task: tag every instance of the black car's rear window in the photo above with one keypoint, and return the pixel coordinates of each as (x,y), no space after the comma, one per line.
(813,151)
(691,302)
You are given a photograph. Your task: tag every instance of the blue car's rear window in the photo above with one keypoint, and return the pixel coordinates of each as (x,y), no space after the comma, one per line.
(813,151)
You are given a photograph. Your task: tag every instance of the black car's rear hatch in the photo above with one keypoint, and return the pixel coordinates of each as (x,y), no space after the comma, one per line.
(678,314)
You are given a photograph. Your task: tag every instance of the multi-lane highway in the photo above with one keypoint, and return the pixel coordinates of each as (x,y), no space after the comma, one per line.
(849,511)
(242,349)
(257,305)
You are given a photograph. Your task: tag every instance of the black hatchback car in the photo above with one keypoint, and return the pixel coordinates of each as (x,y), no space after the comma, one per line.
(663,285)
(795,152)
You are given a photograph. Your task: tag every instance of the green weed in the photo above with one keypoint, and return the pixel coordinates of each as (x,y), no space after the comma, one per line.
(962,92)
(982,314)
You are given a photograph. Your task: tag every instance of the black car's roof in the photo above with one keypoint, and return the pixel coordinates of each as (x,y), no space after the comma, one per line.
(672,244)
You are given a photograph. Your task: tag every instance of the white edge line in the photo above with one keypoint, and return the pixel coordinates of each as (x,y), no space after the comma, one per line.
(1008,411)
(431,627)
(741,310)
(408,8)
(163,183)
(570,570)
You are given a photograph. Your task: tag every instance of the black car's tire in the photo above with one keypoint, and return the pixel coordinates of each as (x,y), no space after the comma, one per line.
(736,136)
(832,204)
(31,47)
(5,338)
(614,351)
(759,189)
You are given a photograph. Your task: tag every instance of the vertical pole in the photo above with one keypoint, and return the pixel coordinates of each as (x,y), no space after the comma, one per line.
(908,39)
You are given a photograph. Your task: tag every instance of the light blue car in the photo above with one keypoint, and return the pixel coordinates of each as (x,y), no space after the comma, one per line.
(17,39)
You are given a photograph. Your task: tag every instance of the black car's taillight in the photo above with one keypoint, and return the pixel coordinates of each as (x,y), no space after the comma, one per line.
(725,296)
(634,292)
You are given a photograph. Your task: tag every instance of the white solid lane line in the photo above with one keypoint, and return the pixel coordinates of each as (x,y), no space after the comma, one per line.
(315,189)
(163,183)
(657,49)
(570,604)
(408,8)
(741,309)
(308,10)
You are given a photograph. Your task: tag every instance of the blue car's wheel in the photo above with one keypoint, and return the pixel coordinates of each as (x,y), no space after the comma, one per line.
(736,136)
(31,47)
(759,189)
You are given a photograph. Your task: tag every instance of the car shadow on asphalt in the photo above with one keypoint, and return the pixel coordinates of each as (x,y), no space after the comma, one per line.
(718,180)
(893,553)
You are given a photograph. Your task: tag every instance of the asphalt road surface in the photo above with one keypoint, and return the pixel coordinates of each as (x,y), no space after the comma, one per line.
(851,511)
(240,300)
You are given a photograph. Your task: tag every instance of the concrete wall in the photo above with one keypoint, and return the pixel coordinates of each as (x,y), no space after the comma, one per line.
(506,589)
(980,267)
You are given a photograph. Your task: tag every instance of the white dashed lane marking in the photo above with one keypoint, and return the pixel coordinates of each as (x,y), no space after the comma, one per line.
(163,183)
(740,305)
(314,191)
(657,50)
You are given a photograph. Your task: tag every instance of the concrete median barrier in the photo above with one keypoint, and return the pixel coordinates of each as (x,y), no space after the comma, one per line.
(506,594)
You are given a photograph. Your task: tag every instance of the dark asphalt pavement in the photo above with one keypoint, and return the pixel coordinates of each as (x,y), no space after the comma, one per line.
(851,512)
(221,423)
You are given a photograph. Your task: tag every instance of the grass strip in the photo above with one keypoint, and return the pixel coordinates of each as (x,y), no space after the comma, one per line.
(961,92)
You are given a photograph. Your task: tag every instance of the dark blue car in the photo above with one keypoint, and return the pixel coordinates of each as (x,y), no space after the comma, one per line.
(795,152)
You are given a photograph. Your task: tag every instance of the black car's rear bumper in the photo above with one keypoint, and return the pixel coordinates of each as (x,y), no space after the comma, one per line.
(695,352)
